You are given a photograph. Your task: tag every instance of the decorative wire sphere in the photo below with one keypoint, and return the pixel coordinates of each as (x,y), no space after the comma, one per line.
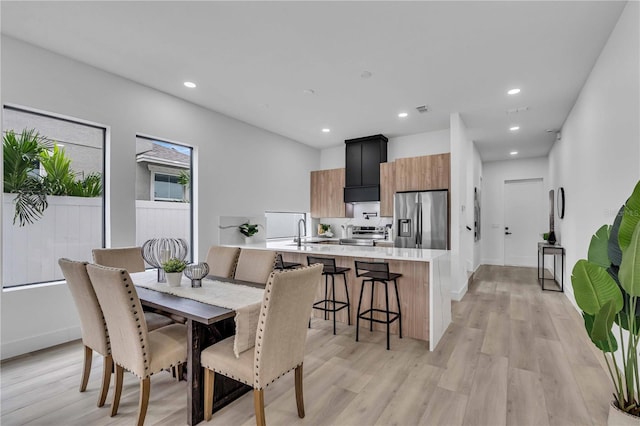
(156,251)
(196,272)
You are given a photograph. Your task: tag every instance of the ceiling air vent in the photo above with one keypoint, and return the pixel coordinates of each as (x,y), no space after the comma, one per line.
(422,109)
(517,110)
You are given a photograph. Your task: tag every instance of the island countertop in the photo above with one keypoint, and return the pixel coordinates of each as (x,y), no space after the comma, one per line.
(390,253)
(424,286)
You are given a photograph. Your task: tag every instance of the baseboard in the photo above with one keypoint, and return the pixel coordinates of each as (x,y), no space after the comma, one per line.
(458,295)
(33,343)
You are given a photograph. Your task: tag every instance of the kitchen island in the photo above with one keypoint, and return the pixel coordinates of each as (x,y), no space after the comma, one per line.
(424,286)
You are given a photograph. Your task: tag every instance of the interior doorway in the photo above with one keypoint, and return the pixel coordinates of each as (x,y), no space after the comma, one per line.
(524,221)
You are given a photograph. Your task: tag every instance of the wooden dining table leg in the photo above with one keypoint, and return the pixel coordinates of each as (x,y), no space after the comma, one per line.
(195,381)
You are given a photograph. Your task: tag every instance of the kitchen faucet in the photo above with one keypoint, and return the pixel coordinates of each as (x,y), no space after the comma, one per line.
(304,222)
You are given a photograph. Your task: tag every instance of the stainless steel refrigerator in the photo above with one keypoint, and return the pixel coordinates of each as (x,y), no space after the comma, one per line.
(420,219)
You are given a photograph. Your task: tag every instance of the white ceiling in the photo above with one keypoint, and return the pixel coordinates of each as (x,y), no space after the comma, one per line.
(254,60)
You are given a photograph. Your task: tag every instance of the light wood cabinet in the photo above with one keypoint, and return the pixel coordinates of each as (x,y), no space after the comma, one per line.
(327,199)
(422,173)
(387,188)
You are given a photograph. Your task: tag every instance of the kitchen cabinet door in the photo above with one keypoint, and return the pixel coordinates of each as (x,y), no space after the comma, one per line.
(327,187)
(423,173)
(387,188)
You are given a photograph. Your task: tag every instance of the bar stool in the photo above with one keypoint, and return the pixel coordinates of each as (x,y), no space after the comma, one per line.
(377,272)
(281,264)
(330,270)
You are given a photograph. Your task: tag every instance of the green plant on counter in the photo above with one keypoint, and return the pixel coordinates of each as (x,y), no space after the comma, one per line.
(606,286)
(174,265)
(248,229)
(325,227)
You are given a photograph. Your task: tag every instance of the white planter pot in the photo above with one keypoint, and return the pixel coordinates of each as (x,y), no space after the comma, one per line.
(174,278)
(617,417)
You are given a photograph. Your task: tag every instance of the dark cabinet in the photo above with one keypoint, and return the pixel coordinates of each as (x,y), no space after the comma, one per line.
(362,159)
(353,161)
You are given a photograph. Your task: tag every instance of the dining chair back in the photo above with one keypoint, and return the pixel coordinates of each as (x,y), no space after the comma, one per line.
(279,344)
(222,261)
(133,347)
(92,323)
(255,265)
(129,258)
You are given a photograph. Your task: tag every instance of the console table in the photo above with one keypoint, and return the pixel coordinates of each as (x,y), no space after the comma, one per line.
(554,250)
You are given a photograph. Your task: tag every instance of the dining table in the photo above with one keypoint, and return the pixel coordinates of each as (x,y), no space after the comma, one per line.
(207,323)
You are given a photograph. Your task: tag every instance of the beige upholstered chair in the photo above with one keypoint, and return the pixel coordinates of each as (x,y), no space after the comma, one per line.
(130,258)
(94,329)
(255,265)
(133,347)
(222,261)
(279,343)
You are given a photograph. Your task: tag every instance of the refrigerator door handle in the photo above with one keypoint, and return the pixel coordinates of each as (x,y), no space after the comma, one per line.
(419,227)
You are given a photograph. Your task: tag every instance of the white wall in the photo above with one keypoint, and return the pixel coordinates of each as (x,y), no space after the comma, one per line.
(242,170)
(466,173)
(495,173)
(597,160)
(428,143)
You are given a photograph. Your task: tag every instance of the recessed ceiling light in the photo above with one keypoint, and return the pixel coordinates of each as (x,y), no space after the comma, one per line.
(403,115)
(514,128)
(514,91)
(326,130)
(513,153)
(189,84)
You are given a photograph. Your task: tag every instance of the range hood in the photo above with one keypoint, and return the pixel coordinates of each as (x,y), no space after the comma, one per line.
(362,163)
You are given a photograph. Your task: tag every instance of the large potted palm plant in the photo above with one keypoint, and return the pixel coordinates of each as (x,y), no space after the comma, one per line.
(606,286)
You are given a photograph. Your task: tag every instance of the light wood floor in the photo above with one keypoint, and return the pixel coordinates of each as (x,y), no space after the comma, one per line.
(513,355)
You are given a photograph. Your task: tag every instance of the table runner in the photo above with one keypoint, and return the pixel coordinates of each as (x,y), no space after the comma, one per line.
(218,293)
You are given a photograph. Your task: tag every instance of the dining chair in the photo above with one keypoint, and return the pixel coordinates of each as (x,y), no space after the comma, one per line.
(278,345)
(133,347)
(130,258)
(255,265)
(92,323)
(222,261)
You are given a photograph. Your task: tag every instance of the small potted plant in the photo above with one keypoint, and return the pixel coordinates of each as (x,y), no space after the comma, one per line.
(173,268)
(606,286)
(248,230)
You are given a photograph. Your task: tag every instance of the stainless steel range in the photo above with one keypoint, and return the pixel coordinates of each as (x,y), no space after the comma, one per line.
(365,235)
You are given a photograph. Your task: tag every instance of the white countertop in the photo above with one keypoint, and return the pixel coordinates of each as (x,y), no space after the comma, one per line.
(392,253)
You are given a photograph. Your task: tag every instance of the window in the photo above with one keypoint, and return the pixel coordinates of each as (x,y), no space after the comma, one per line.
(283,224)
(167,188)
(53,193)
(163,191)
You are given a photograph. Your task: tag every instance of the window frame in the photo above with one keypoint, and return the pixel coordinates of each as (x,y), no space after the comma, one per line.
(106,146)
(164,171)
